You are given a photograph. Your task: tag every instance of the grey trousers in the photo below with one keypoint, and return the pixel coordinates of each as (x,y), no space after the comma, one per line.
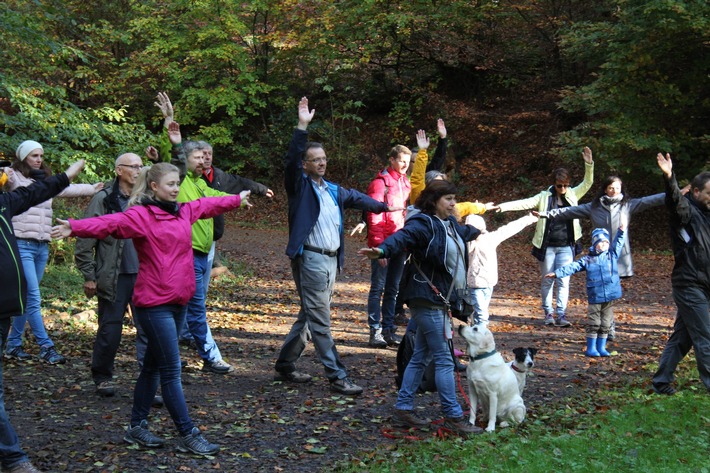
(691,330)
(599,318)
(314,275)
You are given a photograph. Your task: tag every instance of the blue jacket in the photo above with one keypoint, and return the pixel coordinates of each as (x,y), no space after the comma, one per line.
(304,205)
(424,237)
(603,283)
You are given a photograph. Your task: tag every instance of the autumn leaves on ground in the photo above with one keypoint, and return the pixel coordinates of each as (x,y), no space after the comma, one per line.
(267,426)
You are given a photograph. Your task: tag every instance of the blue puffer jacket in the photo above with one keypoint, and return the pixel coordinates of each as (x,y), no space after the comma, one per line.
(603,283)
(424,237)
(303,203)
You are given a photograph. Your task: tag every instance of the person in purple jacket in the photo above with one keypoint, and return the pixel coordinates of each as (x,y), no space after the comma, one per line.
(161,230)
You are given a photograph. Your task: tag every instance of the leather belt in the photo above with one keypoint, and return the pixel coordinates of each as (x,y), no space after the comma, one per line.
(320,250)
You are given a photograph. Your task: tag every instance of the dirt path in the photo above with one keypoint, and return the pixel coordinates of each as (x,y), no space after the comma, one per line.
(264,426)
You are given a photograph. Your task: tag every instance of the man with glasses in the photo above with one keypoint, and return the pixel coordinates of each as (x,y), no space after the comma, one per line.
(110,267)
(555,241)
(315,247)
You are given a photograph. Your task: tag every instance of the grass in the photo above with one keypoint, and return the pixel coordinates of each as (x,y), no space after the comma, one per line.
(613,431)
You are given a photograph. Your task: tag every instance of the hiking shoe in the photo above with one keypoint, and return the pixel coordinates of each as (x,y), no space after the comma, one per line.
(50,355)
(663,388)
(562,321)
(17,353)
(404,418)
(461,426)
(217,367)
(549,319)
(105,389)
(195,443)
(377,340)
(293,377)
(391,339)
(345,386)
(24,467)
(142,436)
(401,319)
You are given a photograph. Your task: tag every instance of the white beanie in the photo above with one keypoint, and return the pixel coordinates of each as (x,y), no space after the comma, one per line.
(25,148)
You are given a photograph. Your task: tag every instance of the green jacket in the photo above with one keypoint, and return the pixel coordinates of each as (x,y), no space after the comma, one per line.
(541,201)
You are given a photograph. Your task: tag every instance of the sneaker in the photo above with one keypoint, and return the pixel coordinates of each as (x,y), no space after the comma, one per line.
(195,443)
(401,319)
(105,389)
(407,419)
(391,339)
(217,367)
(376,339)
(663,388)
(562,321)
(50,355)
(345,386)
(142,436)
(293,377)
(461,426)
(157,401)
(17,353)
(24,467)
(549,319)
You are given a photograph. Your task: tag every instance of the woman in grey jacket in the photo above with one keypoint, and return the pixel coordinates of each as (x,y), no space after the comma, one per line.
(609,208)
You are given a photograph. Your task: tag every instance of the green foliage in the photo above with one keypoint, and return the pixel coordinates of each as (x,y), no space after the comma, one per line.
(649,91)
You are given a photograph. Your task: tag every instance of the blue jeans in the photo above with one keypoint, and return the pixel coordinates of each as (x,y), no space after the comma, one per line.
(197,314)
(314,275)
(10,452)
(384,279)
(34,256)
(161,365)
(433,327)
(555,257)
(185,331)
(481,301)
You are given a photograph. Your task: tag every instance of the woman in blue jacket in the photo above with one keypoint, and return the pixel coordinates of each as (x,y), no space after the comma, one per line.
(436,243)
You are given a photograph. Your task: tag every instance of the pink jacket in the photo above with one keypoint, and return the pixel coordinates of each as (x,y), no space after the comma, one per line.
(166,274)
(393,189)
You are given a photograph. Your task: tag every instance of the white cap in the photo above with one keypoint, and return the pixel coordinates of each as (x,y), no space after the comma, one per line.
(25,148)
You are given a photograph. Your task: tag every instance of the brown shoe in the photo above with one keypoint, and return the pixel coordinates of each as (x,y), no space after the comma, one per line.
(461,426)
(407,419)
(24,467)
(293,377)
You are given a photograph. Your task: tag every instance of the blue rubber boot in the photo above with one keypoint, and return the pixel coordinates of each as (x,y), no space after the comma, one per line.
(601,347)
(592,346)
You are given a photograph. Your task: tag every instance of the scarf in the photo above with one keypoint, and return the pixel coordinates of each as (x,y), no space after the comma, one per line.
(170,207)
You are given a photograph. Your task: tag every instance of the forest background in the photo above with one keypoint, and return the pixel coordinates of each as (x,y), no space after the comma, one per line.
(523,85)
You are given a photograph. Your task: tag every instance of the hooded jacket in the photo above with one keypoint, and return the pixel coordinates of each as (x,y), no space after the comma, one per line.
(424,237)
(603,283)
(13,296)
(163,242)
(393,189)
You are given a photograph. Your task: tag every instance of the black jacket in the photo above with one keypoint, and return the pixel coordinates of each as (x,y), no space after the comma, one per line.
(690,237)
(13,295)
(232,184)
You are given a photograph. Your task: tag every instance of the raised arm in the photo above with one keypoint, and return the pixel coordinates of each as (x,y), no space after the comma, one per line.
(166,108)
(419,167)
(677,205)
(439,158)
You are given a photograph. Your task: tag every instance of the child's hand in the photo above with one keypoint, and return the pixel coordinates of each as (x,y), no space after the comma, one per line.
(550,275)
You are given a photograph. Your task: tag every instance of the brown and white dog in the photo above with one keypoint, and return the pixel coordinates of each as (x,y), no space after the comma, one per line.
(491,382)
(522,364)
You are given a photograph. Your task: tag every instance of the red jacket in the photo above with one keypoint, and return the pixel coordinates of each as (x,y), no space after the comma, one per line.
(166,274)
(393,189)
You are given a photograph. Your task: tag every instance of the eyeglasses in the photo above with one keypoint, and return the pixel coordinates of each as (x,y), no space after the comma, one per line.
(317,160)
(561,186)
(135,167)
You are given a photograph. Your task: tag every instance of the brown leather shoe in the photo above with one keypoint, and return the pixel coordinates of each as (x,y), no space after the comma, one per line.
(461,426)
(407,419)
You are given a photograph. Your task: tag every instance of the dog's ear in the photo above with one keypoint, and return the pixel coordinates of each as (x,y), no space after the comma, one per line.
(533,351)
(518,351)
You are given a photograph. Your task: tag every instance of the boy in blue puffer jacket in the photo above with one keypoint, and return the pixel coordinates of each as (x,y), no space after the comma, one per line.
(603,285)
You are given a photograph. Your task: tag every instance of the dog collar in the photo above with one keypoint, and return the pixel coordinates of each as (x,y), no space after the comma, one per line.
(484,355)
(515,368)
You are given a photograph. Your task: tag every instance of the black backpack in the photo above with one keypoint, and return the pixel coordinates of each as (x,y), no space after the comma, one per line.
(404,354)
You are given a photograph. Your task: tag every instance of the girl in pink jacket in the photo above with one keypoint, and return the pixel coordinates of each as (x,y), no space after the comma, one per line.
(161,230)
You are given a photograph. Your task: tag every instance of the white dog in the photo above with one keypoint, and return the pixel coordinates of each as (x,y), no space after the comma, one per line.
(491,382)
(522,365)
